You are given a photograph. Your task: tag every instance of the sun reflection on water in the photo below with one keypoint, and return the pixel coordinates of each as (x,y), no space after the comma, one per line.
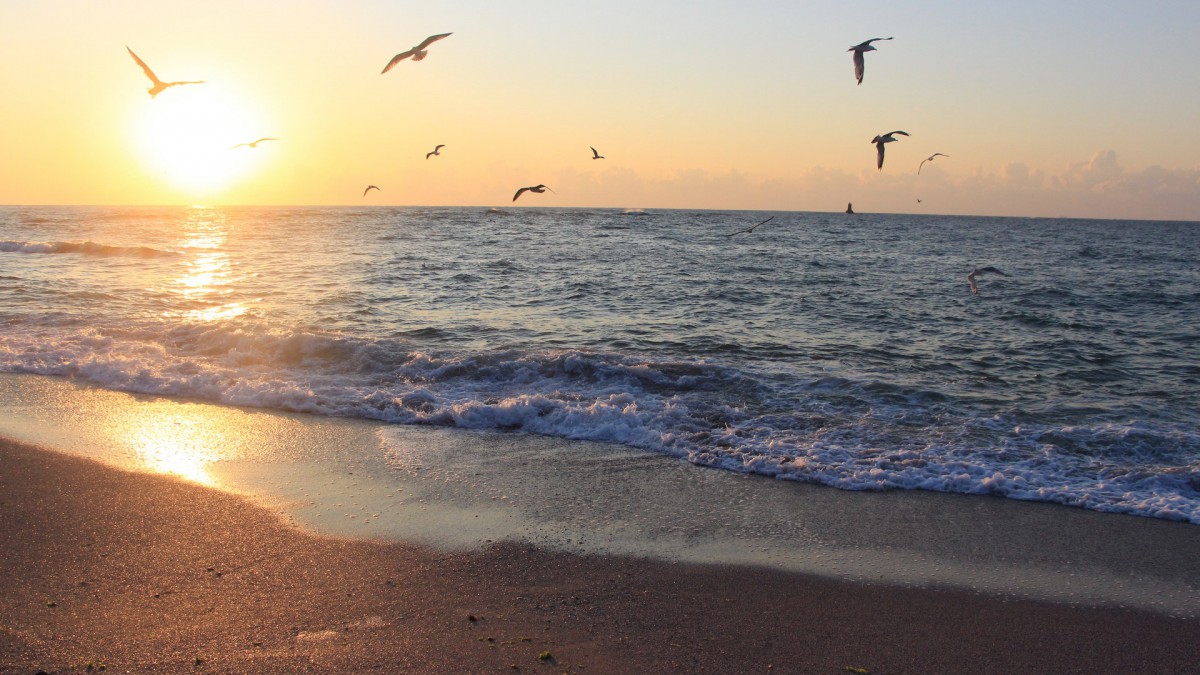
(203,289)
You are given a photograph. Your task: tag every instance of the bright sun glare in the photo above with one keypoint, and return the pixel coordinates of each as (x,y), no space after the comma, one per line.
(186,135)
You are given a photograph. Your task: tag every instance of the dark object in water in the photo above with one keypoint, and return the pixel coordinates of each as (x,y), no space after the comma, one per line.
(849,207)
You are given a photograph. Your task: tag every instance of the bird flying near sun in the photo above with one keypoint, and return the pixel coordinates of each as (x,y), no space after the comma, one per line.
(539,188)
(158,85)
(417,53)
(879,142)
(253,144)
(859,62)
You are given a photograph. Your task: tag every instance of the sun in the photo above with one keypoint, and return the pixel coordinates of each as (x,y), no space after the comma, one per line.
(186,135)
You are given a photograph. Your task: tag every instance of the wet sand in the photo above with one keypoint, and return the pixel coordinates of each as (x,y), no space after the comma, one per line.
(144,573)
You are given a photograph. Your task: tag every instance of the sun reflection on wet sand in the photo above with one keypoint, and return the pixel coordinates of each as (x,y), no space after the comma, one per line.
(202,290)
(174,438)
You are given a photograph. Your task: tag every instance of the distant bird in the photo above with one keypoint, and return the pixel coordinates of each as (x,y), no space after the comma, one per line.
(859,49)
(254,144)
(918,200)
(981,270)
(369,188)
(539,188)
(596,155)
(751,228)
(930,159)
(417,53)
(879,141)
(434,152)
(159,86)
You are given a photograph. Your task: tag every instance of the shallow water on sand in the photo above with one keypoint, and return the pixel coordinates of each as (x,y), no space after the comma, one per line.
(460,489)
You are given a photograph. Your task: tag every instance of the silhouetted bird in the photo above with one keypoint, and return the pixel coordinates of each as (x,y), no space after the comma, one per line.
(879,142)
(159,86)
(254,144)
(859,49)
(539,188)
(434,152)
(417,53)
(369,188)
(929,159)
(751,228)
(981,270)
(596,155)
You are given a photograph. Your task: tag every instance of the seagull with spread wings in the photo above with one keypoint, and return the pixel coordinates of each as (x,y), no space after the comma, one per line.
(859,49)
(880,141)
(369,188)
(930,159)
(436,152)
(539,188)
(159,86)
(751,228)
(981,270)
(417,53)
(596,155)
(254,144)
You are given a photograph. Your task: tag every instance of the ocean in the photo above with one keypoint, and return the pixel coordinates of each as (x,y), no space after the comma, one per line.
(842,350)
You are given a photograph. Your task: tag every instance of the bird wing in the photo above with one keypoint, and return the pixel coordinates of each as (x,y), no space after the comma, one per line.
(430,40)
(145,68)
(594,153)
(991,270)
(879,154)
(971,280)
(902,133)
(519,192)
(938,154)
(369,188)
(397,59)
(921,165)
(875,40)
(240,145)
(859,64)
(439,146)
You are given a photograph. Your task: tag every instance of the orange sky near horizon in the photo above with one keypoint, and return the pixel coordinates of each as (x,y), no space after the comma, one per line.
(1042,112)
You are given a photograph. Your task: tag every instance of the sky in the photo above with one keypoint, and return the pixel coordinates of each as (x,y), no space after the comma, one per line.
(1044,108)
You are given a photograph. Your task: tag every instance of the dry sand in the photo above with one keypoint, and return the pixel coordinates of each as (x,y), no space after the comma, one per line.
(141,573)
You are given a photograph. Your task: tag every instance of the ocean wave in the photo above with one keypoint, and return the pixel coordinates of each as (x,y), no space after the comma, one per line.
(850,432)
(84,248)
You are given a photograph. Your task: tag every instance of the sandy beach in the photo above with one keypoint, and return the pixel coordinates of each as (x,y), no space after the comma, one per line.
(134,572)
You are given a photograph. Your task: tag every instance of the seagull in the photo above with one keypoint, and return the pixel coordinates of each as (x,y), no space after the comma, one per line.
(539,188)
(596,155)
(751,228)
(417,53)
(858,50)
(879,141)
(159,86)
(254,144)
(930,159)
(435,152)
(981,270)
(369,188)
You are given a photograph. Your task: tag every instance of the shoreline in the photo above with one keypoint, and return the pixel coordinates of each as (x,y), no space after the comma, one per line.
(461,491)
(141,572)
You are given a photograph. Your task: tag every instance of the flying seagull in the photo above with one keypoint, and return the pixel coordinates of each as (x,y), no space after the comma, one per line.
(417,53)
(254,144)
(751,228)
(981,270)
(369,188)
(596,155)
(435,152)
(539,188)
(879,142)
(858,50)
(930,159)
(159,86)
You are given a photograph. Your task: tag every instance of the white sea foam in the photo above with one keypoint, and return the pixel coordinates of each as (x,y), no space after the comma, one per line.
(846,434)
(82,248)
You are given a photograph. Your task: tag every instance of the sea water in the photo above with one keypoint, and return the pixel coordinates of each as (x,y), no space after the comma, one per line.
(843,350)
